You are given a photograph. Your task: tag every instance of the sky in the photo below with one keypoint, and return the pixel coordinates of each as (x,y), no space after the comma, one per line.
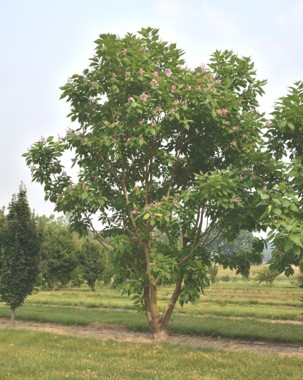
(45,42)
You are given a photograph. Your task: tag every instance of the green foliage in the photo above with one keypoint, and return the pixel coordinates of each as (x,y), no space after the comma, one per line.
(58,246)
(238,253)
(284,211)
(267,275)
(20,248)
(91,261)
(161,150)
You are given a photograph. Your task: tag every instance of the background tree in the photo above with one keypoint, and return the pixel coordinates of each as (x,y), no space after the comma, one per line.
(58,251)
(241,251)
(267,275)
(161,150)
(91,261)
(19,253)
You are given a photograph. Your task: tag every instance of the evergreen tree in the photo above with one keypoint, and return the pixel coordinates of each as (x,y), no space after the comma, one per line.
(19,253)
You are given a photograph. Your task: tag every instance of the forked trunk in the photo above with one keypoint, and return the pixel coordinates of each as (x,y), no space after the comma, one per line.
(13,316)
(157,325)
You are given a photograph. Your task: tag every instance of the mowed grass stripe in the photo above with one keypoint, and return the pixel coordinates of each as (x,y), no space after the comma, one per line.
(189,324)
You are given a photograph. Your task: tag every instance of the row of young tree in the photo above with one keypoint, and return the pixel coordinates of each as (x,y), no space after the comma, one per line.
(66,258)
(43,251)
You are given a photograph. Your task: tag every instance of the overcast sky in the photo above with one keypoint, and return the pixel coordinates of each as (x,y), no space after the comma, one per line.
(43,42)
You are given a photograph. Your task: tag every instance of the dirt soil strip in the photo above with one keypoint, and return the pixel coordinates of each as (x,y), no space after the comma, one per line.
(120,333)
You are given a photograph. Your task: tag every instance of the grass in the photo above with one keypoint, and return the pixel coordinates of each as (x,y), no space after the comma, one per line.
(233,309)
(245,299)
(183,324)
(30,355)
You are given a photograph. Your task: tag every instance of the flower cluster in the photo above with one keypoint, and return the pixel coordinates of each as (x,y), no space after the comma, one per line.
(144,97)
(222,111)
(154,83)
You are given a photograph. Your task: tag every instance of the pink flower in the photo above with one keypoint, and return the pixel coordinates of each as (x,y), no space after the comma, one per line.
(202,68)
(141,71)
(176,102)
(209,89)
(268,123)
(155,74)
(188,87)
(144,97)
(168,72)
(245,136)
(173,88)
(143,48)
(130,99)
(222,111)
(114,75)
(127,74)
(125,52)
(233,144)
(238,199)
(154,83)
(234,129)
(141,122)
(106,122)
(85,78)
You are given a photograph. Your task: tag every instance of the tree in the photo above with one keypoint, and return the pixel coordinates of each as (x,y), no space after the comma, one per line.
(162,150)
(19,253)
(265,274)
(58,251)
(241,251)
(284,214)
(91,261)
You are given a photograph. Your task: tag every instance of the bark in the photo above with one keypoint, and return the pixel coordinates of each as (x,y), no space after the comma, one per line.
(13,316)
(172,303)
(150,302)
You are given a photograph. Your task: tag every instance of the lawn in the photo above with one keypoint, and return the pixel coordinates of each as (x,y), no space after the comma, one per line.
(230,308)
(31,355)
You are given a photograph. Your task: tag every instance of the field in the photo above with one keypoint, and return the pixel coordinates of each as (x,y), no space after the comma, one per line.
(238,329)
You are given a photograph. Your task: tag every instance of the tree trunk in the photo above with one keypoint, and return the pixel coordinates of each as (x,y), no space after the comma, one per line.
(172,303)
(150,302)
(13,317)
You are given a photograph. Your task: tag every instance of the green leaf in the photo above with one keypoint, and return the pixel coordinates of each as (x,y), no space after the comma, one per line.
(297,239)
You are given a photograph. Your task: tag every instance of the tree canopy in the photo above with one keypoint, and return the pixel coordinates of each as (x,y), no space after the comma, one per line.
(166,155)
